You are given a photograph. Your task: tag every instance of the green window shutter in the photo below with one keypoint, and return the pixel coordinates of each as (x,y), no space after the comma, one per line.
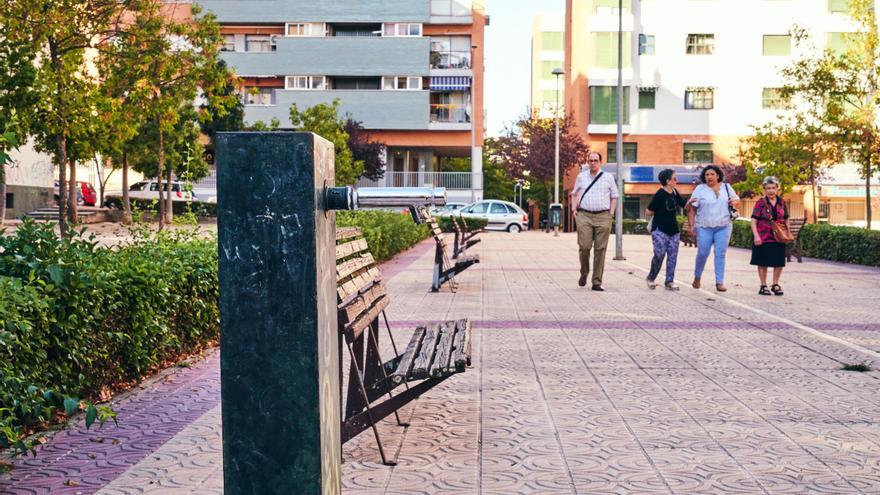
(838,6)
(647,99)
(771,98)
(613,4)
(603,105)
(630,152)
(777,45)
(547,67)
(605,50)
(552,41)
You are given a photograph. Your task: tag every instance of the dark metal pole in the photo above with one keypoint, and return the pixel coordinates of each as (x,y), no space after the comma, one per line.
(618,227)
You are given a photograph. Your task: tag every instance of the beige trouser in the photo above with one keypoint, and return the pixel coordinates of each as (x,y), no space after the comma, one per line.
(593,232)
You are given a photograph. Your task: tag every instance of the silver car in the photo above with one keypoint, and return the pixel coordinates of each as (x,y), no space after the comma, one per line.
(501,215)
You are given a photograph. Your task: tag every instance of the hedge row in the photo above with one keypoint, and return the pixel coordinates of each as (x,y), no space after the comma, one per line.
(445,223)
(387,233)
(78,320)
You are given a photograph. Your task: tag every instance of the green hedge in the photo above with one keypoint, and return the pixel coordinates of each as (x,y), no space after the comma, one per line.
(387,233)
(827,242)
(79,320)
(201,209)
(445,223)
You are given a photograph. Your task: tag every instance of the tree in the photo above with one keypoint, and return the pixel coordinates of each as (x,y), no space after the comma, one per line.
(323,120)
(17,77)
(61,31)
(844,87)
(497,181)
(223,118)
(366,150)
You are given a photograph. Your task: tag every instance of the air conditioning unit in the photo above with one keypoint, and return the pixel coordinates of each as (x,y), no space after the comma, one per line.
(273,40)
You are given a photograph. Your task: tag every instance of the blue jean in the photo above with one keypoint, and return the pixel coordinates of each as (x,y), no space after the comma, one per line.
(706,238)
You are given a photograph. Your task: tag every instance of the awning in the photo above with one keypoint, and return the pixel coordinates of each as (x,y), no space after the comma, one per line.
(451,83)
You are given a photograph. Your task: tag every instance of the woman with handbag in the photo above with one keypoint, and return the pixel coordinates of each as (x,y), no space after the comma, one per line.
(711,211)
(663,226)
(771,231)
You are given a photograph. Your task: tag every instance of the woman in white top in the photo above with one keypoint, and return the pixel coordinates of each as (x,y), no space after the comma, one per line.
(714,204)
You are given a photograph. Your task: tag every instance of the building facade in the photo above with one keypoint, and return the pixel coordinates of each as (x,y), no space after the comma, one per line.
(548,53)
(29,181)
(696,76)
(411,71)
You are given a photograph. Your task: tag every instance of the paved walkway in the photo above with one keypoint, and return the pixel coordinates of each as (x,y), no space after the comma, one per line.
(571,392)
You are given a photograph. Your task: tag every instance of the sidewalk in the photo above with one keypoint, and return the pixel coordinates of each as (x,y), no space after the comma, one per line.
(571,392)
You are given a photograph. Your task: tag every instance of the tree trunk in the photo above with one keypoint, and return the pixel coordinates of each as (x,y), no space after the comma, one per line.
(126,201)
(868,197)
(61,160)
(169,199)
(2,193)
(159,172)
(73,197)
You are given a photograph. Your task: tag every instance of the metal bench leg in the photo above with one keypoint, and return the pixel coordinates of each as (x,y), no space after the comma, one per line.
(360,379)
(374,331)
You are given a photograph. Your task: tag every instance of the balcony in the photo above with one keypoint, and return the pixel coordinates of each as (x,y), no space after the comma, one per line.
(453,181)
(376,109)
(270,11)
(336,56)
(450,117)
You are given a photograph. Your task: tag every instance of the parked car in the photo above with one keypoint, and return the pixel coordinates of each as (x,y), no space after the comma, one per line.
(447,210)
(501,215)
(149,190)
(85,193)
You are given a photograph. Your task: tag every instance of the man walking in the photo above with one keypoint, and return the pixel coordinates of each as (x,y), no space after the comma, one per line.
(593,199)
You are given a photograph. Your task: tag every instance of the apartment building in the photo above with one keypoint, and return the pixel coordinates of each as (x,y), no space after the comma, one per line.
(548,53)
(411,71)
(696,75)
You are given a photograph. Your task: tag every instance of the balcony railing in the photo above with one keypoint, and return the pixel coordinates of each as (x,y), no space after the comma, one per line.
(449,180)
(450,113)
(450,60)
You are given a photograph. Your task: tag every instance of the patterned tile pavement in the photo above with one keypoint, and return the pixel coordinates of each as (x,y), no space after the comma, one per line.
(571,392)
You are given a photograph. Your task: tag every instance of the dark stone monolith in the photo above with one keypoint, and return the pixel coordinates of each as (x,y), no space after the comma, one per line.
(279,354)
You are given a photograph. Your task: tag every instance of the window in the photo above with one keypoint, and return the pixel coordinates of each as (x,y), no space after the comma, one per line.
(455,8)
(478,208)
(700,44)
(605,54)
(647,98)
(838,6)
(552,41)
(403,30)
(304,82)
(498,208)
(305,29)
(140,186)
(401,82)
(10,201)
(259,96)
(646,44)
(259,43)
(228,43)
(610,6)
(450,52)
(603,105)
(772,98)
(777,45)
(356,83)
(630,152)
(698,153)
(699,99)
(837,43)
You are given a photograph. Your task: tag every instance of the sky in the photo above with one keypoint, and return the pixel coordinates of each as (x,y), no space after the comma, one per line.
(509,57)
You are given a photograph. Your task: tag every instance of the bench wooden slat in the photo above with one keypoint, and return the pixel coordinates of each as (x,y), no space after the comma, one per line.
(461,356)
(363,321)
(350,311)
(440,364)
(426,353)
(353,265)
(347,233)
(405,365)
(357,283)
(350,248)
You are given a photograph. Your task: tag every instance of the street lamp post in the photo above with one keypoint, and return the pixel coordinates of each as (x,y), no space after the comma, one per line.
(618,228)
(556,72)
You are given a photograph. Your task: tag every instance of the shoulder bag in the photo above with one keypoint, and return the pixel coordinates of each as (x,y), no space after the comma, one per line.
(588,189)
(781,231)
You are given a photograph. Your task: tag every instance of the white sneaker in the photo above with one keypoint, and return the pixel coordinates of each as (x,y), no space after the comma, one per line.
(651,284)
(672,287)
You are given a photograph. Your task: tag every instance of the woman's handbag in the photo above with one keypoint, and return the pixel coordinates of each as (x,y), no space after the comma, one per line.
(780,229)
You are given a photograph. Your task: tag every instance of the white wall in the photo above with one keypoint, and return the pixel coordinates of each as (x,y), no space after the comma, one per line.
(29,168)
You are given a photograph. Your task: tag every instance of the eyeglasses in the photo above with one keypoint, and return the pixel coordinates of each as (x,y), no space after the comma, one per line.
(594,161)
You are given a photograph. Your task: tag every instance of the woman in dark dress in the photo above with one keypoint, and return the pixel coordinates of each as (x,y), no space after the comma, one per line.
(767,251)
(665,233)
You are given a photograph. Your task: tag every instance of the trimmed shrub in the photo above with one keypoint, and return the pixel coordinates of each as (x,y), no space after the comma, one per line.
(386,232)
(82,321)
(199,208)
(846,244)
(445,223)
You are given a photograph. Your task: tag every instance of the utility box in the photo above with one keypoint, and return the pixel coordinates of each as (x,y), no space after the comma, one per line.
(556,215)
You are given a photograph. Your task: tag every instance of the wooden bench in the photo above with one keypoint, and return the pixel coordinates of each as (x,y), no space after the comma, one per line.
(435,352)
(445,269)
(795,249)
(687,238)
(463,239)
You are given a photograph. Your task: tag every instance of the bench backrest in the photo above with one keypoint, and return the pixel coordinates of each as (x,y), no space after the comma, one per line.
(361,294)
(432,224)
(796,224)
(455,225)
